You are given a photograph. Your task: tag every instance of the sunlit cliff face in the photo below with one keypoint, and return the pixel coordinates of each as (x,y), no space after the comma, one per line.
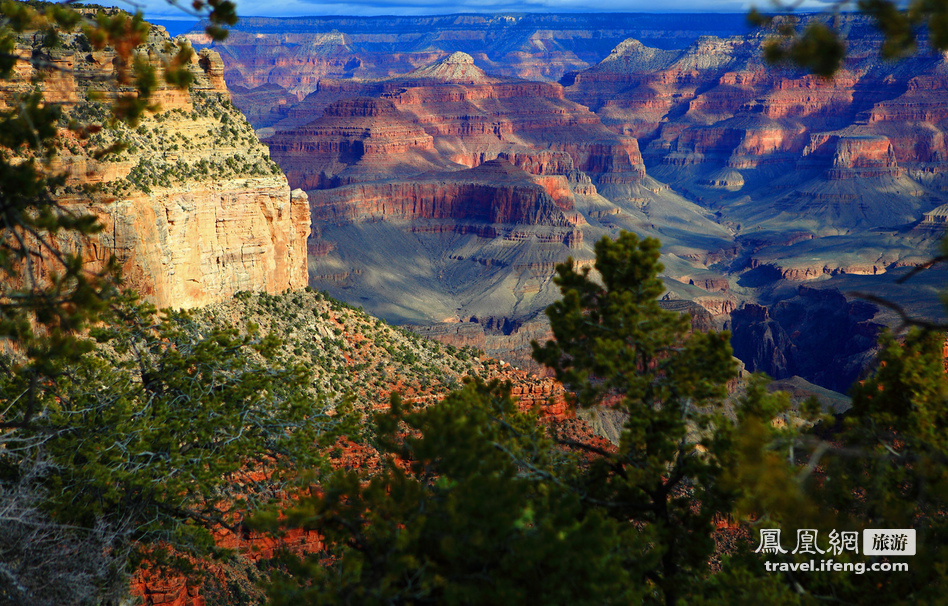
(193,208)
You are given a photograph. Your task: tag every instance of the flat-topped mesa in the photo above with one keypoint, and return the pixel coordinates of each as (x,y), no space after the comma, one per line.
(851,156)
(539,162)
(863,156)
(360,139)
(935,219)
(193,208)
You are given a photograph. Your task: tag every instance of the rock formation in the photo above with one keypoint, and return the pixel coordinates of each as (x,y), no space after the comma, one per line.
(775,151)
(193,207)
(483,182)
(287,59)
(450,114)
(817,335)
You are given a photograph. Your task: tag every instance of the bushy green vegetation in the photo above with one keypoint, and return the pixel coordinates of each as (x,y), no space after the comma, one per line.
(166,428)
(473,520)
(477,500)
(348,352)
(210,143)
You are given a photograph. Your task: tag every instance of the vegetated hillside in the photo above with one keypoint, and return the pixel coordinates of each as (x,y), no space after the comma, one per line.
(193,207)
(353,353)
(350,355)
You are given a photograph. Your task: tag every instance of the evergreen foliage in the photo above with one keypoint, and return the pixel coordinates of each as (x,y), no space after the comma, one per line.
(454,519)
(171,429)
(481,501)
(821,46)
(109,452)
(471,482)
(614,343)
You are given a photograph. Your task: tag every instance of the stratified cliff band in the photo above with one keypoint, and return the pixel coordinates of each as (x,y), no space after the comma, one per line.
(193,207)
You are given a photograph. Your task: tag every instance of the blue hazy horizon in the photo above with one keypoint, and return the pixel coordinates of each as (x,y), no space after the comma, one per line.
(164,10)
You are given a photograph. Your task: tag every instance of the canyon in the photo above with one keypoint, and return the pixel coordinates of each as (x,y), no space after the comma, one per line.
(477,181)
(198,216)
(478,175)
(483,182)
(441,191)
(850,163)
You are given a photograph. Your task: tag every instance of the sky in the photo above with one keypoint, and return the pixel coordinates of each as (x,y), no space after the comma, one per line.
(161,9)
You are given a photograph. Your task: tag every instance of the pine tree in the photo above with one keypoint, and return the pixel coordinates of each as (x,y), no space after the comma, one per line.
(481,505)
(164,431)
(616,346)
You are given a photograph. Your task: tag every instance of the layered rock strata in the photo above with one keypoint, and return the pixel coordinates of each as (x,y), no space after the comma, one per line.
(776,151)
(193,208)
(298,55)
(483,183)
(446,115)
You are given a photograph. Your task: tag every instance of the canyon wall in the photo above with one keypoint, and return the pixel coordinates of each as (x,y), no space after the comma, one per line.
(193,208)
(732,163)
(449,192)
(448,115)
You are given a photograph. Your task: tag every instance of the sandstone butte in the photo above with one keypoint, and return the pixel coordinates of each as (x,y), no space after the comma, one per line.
(193,209)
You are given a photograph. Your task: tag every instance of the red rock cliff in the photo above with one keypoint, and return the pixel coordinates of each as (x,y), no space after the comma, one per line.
(194,209)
